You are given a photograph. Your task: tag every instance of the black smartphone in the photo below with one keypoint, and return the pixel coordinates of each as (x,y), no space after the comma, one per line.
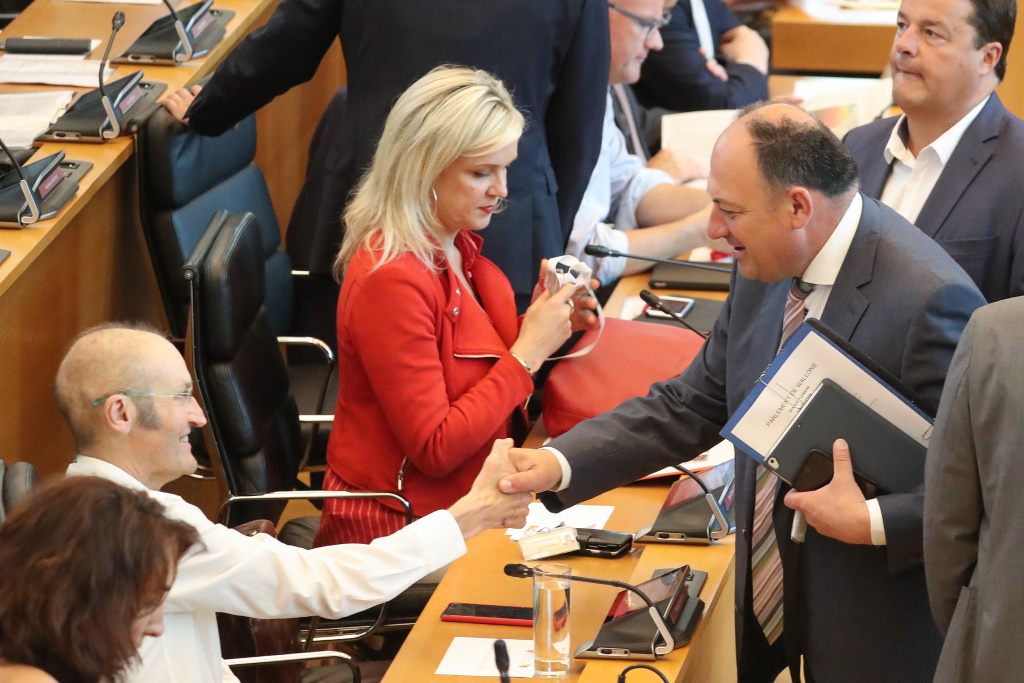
(602,543)
(488,614)
(817,472)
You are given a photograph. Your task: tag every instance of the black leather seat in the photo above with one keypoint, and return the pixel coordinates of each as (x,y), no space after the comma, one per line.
(245,387)
(17,481)
(188,179)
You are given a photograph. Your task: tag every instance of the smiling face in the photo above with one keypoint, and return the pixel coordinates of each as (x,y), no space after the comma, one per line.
(468,190)
(630,43)
(164,422)
(937,70)
(758,228)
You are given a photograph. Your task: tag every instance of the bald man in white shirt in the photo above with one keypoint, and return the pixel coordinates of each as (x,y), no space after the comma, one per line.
(951,163)
(127,396)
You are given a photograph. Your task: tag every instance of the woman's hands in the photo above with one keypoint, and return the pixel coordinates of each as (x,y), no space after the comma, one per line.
(546,325)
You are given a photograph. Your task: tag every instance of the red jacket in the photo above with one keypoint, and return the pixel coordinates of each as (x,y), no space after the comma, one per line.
(426,380)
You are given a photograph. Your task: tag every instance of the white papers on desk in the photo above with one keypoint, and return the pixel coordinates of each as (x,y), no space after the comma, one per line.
(786,386)
(23,116)
(82,73)
(577,517)
(693,133)
(124,2)
(843,103)
(475,657)
(721,452)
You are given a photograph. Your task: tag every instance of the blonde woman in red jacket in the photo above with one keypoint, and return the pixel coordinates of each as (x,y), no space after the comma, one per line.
(433,363)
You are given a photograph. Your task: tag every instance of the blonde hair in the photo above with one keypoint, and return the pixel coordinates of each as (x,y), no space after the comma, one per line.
(451,112)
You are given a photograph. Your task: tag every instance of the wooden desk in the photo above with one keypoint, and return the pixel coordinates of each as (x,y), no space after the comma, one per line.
(90,263)
(823,38)
(478,577)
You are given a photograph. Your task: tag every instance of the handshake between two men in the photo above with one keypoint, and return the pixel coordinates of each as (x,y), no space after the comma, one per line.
(837,510)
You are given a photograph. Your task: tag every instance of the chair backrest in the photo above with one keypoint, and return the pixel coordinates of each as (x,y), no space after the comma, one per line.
(186,179)
(17,481)
(240,371)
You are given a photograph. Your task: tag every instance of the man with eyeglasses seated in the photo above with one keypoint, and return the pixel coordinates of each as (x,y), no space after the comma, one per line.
(629,207)
(127,396)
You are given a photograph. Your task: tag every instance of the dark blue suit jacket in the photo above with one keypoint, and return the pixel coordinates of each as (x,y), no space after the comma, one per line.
(900,299)
(551,54)
(675,78)
(976,209)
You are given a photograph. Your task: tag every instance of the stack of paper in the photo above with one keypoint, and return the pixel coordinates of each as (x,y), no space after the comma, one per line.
(24,116)
(82,73)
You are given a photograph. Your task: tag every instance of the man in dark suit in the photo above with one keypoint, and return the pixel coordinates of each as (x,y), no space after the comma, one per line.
(785,198)
(551,54)
(732,74)
(951,163)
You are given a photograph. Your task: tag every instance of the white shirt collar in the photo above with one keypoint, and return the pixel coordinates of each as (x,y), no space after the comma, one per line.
(943,146)
(824,268)
(84,465)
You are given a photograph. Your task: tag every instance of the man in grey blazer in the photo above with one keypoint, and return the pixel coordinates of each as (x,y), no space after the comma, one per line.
(785,198)
(951,163)
(973,503)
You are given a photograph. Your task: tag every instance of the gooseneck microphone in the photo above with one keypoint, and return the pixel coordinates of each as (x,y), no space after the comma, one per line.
(521,571)
(601,252)
(115,124)
(501,660)
(654,301)
(186,40)
(26,190)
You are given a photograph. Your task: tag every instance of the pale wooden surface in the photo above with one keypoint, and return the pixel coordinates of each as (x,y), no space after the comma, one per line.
(90,264)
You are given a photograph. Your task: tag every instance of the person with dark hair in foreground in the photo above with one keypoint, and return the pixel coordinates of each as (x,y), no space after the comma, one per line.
(127,396)
(852,602)
(84,568)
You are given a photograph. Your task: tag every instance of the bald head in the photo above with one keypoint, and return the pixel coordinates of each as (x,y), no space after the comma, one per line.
(102,361)
(794,149)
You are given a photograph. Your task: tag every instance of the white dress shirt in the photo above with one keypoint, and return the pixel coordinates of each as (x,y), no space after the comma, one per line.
(822,272)
(619,182)
(258,576)
(911,180)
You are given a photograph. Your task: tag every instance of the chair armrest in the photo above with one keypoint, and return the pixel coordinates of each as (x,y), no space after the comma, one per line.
(222,513)
(316,419)
(297,657)
(310,341)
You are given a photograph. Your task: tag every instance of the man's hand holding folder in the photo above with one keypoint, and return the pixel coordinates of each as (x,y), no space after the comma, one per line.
(838,509)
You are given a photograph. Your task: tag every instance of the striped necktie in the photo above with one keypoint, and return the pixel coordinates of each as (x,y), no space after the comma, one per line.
(765,561)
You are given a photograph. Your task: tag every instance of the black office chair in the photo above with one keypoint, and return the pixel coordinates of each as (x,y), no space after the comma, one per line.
(187,180)
(253,418)
(17,481)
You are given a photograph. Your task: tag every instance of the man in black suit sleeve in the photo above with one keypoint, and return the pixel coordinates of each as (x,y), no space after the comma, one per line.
(680,78)
(551,54)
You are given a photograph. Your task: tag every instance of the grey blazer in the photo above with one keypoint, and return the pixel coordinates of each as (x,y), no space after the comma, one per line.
(904,302)
(976,209)
(973,503)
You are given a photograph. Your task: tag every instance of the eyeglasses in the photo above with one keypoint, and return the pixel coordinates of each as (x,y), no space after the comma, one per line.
(185,396)
(649,26)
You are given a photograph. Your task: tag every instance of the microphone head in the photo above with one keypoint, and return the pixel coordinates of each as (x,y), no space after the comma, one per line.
(501,656)
(518,571)
(650,298)
(118,21)
(596,250)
